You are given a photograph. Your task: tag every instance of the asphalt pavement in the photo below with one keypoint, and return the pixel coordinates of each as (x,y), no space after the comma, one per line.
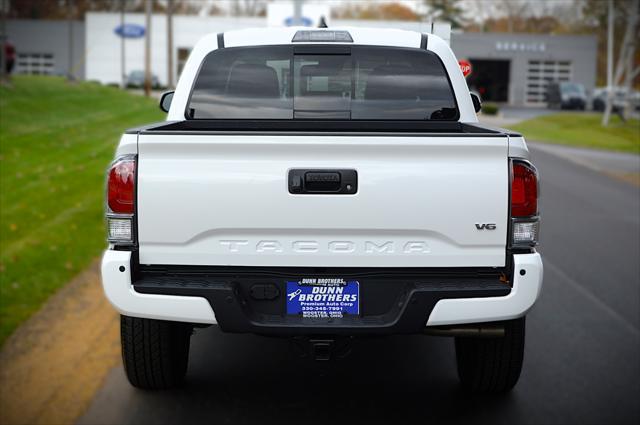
(582,360)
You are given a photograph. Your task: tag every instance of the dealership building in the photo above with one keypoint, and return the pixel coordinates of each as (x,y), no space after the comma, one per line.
(506,67)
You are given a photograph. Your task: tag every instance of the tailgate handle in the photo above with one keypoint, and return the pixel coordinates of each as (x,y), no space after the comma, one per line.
(337,182)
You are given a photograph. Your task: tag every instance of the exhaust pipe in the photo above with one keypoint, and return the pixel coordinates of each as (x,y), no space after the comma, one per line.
(467,331)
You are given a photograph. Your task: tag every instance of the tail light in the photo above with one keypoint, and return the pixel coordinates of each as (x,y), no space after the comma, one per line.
(121,194)
(525,222)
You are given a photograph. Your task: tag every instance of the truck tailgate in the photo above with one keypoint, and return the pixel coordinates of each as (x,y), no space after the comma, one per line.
(223,199)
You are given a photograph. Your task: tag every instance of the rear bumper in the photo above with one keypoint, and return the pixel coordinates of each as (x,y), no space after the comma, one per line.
(422,302)
(524,293)
(116,280)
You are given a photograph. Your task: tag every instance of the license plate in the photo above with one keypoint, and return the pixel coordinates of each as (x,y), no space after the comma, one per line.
(323,297)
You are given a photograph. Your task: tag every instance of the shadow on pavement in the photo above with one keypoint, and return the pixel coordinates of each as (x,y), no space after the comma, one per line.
(581,361)
(252,379)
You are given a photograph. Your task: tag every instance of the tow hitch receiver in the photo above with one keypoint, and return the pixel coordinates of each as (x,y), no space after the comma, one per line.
(322,349)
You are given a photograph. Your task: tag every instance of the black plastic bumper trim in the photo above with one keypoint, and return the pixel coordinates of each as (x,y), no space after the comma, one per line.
(398,302)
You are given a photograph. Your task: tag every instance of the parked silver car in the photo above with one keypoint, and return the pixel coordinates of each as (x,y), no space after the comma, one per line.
(599,99)
(135,79)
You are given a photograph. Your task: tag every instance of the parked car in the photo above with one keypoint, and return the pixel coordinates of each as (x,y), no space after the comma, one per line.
(619,99)
(635,100)
(566,95)
(135,79)
(322,185)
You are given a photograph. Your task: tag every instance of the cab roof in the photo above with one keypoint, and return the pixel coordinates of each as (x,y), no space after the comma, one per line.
(362,36)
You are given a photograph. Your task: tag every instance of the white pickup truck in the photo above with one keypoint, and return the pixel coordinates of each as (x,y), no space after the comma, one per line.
(322,184)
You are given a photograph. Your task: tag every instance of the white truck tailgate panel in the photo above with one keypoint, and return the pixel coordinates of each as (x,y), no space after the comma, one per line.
(223,199)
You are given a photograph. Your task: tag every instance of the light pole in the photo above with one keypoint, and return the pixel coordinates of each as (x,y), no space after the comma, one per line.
(607,108)
(170,44)
(147,50)
(297,12)
(4,77)
(70,76)
(123,70)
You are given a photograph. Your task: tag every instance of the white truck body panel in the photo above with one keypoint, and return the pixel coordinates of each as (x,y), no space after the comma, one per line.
(223,200)
(362,36)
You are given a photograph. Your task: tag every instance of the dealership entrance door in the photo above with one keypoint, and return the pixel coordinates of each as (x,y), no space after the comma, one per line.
(490,78)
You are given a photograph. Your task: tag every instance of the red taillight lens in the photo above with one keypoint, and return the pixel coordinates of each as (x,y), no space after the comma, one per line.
(121,186)
(524,190)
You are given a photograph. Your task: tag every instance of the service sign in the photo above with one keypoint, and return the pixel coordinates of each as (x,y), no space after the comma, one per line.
(130,31)
(465,67)
(323,297)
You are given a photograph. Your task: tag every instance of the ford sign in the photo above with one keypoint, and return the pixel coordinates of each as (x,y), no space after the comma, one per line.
(304,21)
(130,31)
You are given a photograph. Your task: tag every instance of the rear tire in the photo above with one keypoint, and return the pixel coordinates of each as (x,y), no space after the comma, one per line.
(492,365)
(155,353)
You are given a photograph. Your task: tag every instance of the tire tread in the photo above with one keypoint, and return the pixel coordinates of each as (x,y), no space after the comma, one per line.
(155,353)
(492,365)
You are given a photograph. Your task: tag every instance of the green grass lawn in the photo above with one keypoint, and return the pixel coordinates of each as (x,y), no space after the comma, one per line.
(56,140)
(583,129)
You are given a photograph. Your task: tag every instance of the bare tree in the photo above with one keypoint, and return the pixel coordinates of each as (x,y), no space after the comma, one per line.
(248,7)
(191,7)
(481,10)
(630,72)
(446,10)
(513,9)
(624,64)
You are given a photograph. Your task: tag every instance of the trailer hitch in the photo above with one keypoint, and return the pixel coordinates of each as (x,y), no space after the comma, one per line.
(321,348)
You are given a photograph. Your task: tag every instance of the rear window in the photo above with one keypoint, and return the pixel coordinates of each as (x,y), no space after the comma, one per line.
(319,82)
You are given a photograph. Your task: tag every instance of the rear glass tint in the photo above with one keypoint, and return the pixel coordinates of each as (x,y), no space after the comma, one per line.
(365,83)
(244,83)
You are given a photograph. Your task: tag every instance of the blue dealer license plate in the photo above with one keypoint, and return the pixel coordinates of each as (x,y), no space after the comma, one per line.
(323,297)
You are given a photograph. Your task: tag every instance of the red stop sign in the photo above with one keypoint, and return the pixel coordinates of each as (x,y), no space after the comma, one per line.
(465,67)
